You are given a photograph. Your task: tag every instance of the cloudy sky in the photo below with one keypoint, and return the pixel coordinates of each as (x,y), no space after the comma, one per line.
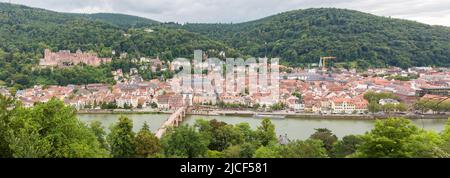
(435,12)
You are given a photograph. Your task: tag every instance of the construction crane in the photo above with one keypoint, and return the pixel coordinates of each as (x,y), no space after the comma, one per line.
(323,60)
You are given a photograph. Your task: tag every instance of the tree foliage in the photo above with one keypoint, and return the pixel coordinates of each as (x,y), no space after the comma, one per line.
(399,138)
(51,130)
(121,139)
(424,105)
(48,130)
(346,146)
(326,136)
(25,32)
(221,134)
(266,132)
(100,133)
(310,148)
(184,141)
(147,145)
(302,36)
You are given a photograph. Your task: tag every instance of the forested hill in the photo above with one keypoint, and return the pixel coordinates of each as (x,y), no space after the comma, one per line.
(25,29)
(297,37)
(304,35)
(119,20)
(122,20)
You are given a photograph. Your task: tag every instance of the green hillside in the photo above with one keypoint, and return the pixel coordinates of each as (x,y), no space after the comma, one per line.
(297,37)
(304,35)
(122,20)
(25,32)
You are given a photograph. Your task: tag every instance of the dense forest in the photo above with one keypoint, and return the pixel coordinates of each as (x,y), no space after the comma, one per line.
(297,37)
(29,30)
(302,36)
(121,20)
(25,33)
(52,130)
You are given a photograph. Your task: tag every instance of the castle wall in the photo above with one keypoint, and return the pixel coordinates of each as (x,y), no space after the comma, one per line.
(64,58)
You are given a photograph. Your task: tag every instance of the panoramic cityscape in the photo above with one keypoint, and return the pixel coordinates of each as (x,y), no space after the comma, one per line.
(308,83)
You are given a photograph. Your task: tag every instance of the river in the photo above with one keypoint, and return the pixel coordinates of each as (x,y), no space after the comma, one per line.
(295,128)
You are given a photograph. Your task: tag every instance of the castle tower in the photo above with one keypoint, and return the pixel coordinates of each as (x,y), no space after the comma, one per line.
(47,53)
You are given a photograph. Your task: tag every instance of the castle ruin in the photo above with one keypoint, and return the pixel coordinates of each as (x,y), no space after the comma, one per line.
(65,58)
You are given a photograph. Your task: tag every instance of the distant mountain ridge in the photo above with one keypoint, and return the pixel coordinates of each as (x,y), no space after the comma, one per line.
(26,32)
(298,37)
(302,36)
(31,30)
(123,20)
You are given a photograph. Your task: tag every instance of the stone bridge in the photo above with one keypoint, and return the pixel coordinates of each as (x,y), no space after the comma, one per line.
(173,121)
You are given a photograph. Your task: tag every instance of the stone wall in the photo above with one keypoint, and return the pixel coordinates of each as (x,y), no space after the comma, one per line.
(65,58)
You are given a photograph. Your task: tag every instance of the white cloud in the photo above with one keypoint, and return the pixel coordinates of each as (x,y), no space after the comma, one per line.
(434,12)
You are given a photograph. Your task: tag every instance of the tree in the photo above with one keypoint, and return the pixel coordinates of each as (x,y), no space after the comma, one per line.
(28,143)
(184,141)
(346,146)
(298,95)
(399,138)
(421,105)
(326,136)
(310,148)
(232,152)
(121,139)
(425,105)
(445,134)
(374,107)
(5,120)
(373,97)
(277,106)
(248,149)
(443,106)
(256,106)
(98,131)
(266,132)
(401,107)
(248,134)
(221,134)
(110,105)
(387,139)
(426,144)
(388,108)
(266,152)
(49,130)
(362,64)
(147,144)
(153,105)
(214,154)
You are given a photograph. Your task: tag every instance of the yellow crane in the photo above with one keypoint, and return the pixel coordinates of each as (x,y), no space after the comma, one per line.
(324,60)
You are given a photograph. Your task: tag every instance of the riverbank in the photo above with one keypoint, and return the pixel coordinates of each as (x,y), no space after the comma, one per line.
(275,115)
(121,111)
(340,116)
(281,114)
(368,117)
(296,128)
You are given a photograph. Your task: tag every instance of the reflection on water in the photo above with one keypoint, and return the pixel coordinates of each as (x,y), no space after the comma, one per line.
(153,120)
(295,128)
(303,128)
